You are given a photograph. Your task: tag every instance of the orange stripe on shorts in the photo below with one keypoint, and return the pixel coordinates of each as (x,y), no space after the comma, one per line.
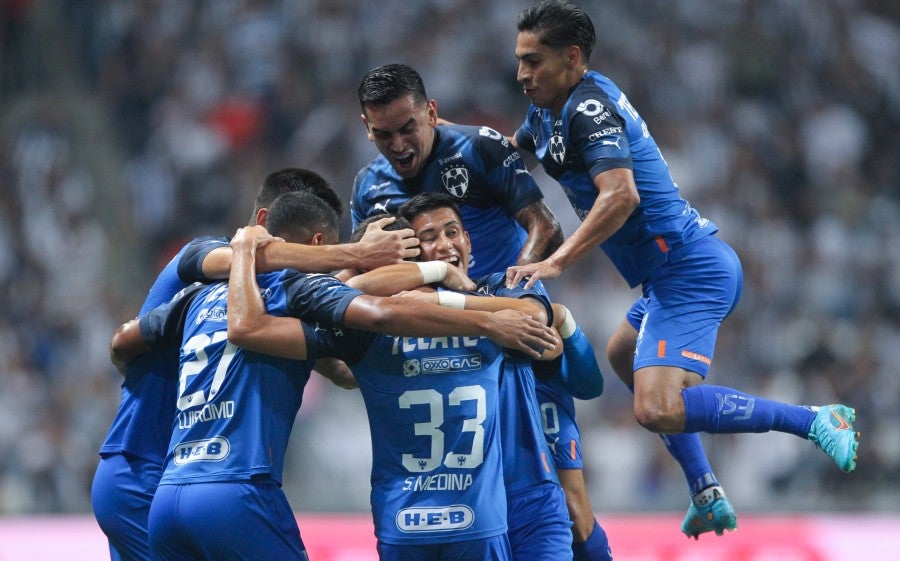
(661,349)
(663,246)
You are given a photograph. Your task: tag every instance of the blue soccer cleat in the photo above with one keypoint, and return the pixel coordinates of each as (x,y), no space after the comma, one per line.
(710,511)
(832,431)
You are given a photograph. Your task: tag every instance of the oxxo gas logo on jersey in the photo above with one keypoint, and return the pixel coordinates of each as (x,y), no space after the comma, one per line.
(209,450)
(435,518)
(439,364)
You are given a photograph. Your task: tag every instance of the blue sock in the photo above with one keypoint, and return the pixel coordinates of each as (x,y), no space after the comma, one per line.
(595,548)
(718,409)
(687,449)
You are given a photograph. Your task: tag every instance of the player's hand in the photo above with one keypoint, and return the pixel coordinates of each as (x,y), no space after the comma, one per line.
(382,247)
(457,281)
(249,238)
(531,272)
(516,330)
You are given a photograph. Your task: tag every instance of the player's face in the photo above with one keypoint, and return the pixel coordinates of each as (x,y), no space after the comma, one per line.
(442,238)
(403,131)
(544,72)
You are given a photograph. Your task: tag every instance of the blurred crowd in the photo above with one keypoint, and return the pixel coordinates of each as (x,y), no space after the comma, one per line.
(780,120)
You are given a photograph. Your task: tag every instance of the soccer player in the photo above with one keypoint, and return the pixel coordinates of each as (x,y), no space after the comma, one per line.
(235,408)
(589,137)
(539,526)
(132,454)
(501,204)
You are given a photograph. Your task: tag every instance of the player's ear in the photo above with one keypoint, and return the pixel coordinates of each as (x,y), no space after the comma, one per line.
(573,55)
(365,123)
(317,239)
(432,113)
(261,216)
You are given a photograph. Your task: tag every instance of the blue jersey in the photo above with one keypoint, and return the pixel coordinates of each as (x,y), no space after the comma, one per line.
(484,174)
(432,405)
(525,452)
(143,423)
(235,409)
(599,130)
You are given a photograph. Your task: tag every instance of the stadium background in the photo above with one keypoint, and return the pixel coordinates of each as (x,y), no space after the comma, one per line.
(130,126)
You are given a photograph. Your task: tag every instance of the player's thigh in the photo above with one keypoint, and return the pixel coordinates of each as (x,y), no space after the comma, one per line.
(620,350)
(121,493)
(687,300)
(539,524)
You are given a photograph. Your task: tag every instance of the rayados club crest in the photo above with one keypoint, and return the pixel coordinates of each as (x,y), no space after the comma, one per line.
(456,180)
(557,149)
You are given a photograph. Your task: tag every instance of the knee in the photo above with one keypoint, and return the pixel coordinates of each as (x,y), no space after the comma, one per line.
(657,418)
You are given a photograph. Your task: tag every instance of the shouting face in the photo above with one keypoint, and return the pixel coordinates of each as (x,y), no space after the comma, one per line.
(403,131)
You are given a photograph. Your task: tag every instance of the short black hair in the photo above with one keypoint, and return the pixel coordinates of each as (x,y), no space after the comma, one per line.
(387,83)
(288,180)
(426,202)
(399,224)
(297,216)
(559,24)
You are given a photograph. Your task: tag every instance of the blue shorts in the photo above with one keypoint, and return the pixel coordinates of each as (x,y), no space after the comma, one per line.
(683,304)
(539,525)
(494,548)
(121,493)
(228,520)
(560,428)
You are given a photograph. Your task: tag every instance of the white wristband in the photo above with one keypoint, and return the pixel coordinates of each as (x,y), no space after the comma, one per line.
(432,271)
(568,327)
(450,299)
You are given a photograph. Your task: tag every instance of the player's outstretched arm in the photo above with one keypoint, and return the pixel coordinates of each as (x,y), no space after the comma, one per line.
(378,247)
(392,279)
(617,199)
(411,318)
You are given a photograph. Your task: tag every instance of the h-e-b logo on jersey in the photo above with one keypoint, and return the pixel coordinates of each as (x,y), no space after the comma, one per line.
(456,180)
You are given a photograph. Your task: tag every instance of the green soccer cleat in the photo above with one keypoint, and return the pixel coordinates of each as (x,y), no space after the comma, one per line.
(710,511)
(832,431)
